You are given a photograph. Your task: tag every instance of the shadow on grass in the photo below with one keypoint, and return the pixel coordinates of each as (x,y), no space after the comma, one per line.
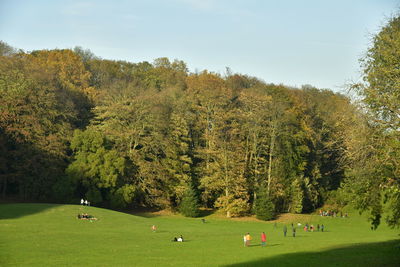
(17,210)
(152,213)
(370,254)
(143,212)
(206,212)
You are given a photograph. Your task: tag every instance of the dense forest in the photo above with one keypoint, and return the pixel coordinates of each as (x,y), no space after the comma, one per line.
(123,134)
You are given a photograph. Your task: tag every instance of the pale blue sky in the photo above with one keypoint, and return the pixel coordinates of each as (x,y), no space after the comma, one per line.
(287,41)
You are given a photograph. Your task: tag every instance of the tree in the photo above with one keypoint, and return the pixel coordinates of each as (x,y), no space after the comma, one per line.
(98,168)
(376,179)
(297,193)
(189,206)
(6,50)
(264,208)
(38,111)
(179,153)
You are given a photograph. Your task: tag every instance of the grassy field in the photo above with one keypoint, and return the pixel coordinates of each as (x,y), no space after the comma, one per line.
(50,235)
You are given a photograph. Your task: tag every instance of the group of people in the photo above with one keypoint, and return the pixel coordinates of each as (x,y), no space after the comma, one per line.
(85,216)
(311,228)
(247,239)
(285,230)
(84,202)
(333,213)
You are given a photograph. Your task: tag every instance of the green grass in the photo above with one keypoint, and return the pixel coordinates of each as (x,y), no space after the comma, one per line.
(50,235)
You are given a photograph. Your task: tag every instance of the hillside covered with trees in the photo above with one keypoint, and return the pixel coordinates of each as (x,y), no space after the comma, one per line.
(125,134)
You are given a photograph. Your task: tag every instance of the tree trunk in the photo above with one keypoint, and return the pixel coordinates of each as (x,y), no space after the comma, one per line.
(228,213)
(271,151)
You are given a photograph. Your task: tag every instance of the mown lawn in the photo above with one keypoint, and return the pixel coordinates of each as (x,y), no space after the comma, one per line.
(50,235)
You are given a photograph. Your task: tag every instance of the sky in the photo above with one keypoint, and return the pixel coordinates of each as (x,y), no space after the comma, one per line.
(315,42)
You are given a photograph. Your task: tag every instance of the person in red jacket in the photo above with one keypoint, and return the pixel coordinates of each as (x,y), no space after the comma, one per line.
(263,239)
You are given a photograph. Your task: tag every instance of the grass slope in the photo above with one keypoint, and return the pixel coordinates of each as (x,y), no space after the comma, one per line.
(50,235)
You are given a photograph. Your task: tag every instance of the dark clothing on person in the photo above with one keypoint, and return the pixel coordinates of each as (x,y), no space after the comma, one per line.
(284,230)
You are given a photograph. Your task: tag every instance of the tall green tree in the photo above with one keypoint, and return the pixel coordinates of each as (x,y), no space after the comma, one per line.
(264,208)
(378,179)
(97,167)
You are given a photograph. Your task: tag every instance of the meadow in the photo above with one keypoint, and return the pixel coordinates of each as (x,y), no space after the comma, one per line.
(51,235)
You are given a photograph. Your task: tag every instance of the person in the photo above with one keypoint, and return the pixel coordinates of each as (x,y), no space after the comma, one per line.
(175,239)
(153,228)
(248,239)
(312,228)
(82,201)
(284,230)
(318,227)
(275,225)
(86,202)
(263,239)
(294,231)
(244,240)
(322,227)
(180,239)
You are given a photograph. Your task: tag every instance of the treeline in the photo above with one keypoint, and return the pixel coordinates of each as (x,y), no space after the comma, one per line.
(125,134)
(120,133)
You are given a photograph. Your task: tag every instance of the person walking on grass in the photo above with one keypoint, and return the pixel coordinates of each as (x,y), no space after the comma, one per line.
(284,230)
(294,231)
(244,240)
(248,239)
(322,227)
(263,239)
